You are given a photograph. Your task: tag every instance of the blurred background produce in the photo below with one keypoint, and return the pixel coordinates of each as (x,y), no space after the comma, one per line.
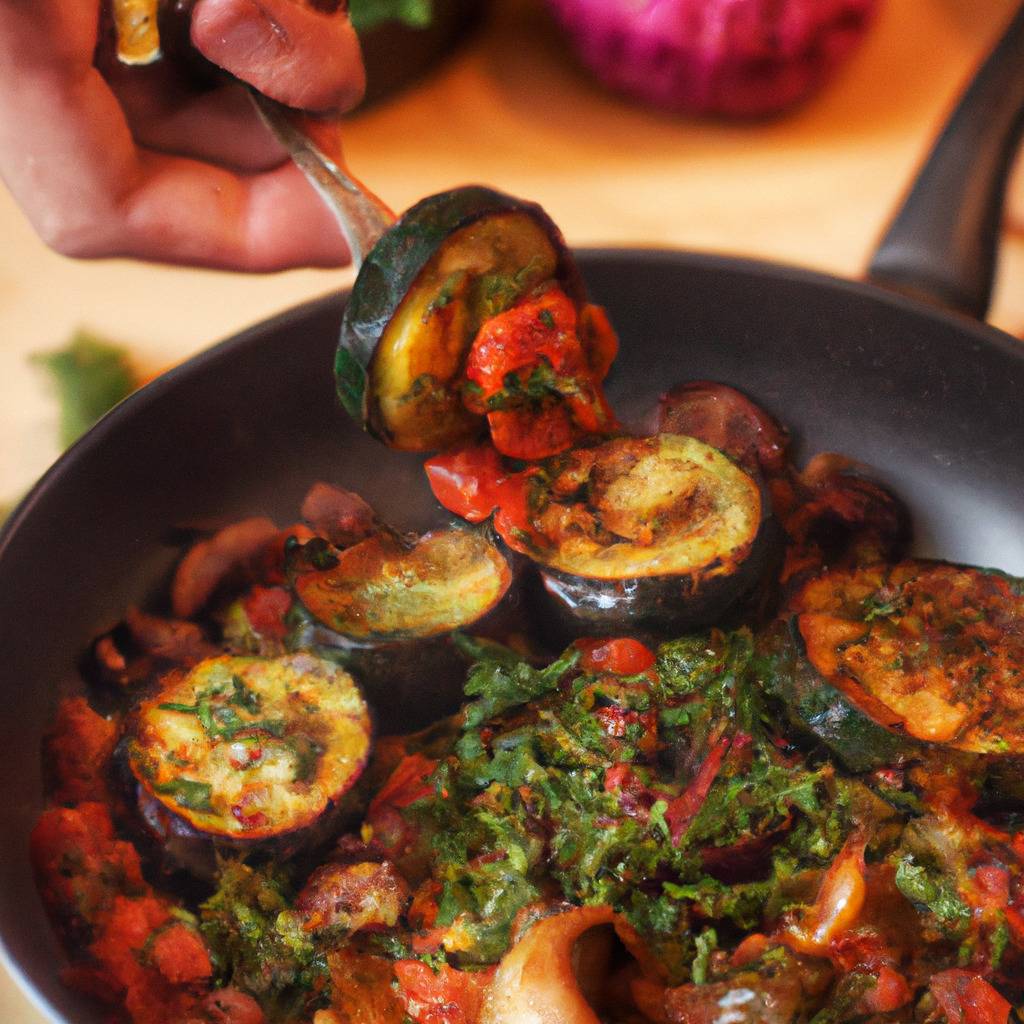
(405,39)
(740,58)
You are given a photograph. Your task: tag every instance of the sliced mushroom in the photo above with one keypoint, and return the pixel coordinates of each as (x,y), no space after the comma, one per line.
(539,979)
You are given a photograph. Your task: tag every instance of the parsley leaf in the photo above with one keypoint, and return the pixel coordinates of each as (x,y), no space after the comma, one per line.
(500,679)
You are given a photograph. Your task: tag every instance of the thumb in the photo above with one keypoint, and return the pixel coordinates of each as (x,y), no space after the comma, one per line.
(302,55)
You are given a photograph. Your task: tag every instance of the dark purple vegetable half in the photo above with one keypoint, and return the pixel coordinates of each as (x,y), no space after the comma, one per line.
(657,535)
(243,753)
(386,610)
(742,58)
(821,713)
(928,649)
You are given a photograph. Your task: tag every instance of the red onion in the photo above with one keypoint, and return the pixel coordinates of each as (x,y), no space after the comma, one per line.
(743,58)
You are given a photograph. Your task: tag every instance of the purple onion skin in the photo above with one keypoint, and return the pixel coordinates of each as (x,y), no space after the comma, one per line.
(738,58)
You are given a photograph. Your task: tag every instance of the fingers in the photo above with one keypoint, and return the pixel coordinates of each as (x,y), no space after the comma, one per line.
(69,158)
(68,155)
(183,211)
(293,53)
(36,34)
(218,125)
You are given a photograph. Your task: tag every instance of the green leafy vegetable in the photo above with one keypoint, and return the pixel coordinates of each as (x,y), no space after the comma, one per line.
(707,943)
(536,790)
(258,943)
(501,680)
(90,376)
(368,14)
(933,893)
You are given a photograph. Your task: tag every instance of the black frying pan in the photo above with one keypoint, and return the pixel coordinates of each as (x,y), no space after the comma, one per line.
(928,397)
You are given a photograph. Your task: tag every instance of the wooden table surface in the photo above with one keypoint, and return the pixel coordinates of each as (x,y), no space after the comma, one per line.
(513,111)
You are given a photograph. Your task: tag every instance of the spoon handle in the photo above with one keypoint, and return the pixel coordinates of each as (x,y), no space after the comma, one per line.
(315,146)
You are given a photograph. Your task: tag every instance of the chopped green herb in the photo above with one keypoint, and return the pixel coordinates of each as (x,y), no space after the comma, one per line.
(707,943)
(244,697)
(195,796)
(932,893)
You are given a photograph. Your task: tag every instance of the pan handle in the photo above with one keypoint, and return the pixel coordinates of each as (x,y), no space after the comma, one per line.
(941,245)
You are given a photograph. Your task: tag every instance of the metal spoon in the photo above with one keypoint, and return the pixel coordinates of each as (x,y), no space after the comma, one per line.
(315,146)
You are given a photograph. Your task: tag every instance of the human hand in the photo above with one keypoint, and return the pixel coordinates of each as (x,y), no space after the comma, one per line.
(108,160)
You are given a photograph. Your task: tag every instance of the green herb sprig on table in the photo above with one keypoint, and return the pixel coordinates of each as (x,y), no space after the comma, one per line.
(368,14)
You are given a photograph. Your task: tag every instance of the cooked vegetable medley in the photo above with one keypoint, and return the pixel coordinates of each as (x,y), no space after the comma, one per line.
(724,753)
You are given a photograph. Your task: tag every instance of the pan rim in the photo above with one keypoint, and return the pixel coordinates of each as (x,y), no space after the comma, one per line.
(131,406)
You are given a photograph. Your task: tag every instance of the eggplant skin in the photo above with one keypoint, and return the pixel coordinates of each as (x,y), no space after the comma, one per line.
(385,611)
(676,505)
(408,683)
(246,749)
(819,712)
(390,273)
(412,680)
(658,606)
(177,845)
(930,649)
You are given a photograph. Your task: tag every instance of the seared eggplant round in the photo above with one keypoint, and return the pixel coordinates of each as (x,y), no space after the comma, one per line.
(386,610)
(452,263)
(654,534)
(240,751)
(929,649)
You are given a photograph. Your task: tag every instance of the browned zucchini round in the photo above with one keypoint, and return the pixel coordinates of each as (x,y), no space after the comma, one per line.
(240,751)
(450,262)
(657,534)
(381,590)
(926,648)
(386,610)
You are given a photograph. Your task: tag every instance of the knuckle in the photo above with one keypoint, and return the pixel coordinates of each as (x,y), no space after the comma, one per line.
(75,236)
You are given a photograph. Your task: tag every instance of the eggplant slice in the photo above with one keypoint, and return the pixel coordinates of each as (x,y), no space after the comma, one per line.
(821,713)
(248,749)
(926,648)
(659,534)
(386,611)
(450,262)
(380,590)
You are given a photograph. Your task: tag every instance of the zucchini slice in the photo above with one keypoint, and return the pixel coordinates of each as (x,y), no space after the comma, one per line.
(385,611)
(248,748)
(450,262)
(660,533)
(927,648)
(380,590)
(820,712)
